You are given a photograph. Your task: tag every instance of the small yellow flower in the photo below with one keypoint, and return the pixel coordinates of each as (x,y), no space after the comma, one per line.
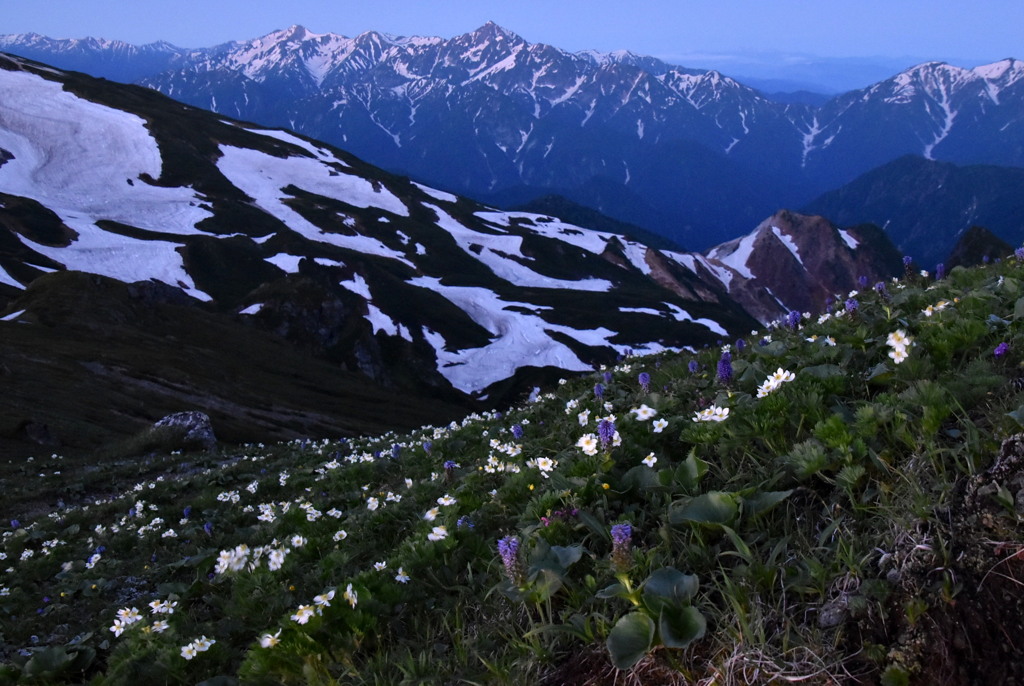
(531,487)
(605,486)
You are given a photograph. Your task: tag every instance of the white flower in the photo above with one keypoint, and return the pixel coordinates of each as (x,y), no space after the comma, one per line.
(118,627)
(583,417)
(659,425)
(438,533)
(351,596)
(188,652)
(303,614)
(588,444)
(270,640)
(372,503)
(431,514)
(324,600)
(643,413)
(712,414)
(649,460)
(401,577)
(297,541)
(446,500)
(202,644)
(276,559)
(161,626)
(898,355)
(380,566)
(546,464)
(898,339)
(340,535)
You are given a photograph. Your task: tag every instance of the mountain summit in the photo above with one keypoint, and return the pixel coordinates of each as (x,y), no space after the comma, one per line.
(690,154)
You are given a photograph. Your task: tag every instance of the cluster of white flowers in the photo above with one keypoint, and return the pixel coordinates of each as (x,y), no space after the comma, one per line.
(544,464)
(643,413)
(713,413)
(937,307)
(200,645)
(774,381)
(900,343)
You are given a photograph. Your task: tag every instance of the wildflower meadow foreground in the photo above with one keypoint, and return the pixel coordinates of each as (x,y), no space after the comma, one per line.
(835,499)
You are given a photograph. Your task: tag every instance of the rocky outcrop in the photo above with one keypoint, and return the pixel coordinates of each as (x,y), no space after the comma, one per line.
(190,430)
(796,262)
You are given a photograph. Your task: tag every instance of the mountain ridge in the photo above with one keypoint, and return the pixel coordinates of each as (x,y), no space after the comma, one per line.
(487,111)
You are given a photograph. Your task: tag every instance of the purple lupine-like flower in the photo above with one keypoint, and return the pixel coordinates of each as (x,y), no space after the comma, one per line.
(881,290)
(396,451)
(985,259)
(208,528)
(607,378)
(851,305)
(186,512)
(693,367)
(862,281)
(940,271)
(464,522)
(645,381)
(1018,253)
(740,345)
(793,319)
(1001,349)
(829,302)
(605,431)
(907,261)
(598,391)
(725,368)
(450,465)
(508,549)
(622,541)
(517,431)
(427,446)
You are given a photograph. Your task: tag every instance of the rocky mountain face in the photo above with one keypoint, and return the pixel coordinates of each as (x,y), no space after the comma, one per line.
(691,155)
(925,206)
(798,262)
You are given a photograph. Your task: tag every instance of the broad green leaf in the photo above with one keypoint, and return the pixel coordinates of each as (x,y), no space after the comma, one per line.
(690,471)
(880,373)
(567,556)
(823,371)
(594,524)
(681,626)
(1017,415)
(49,661)
(641,478)
(616,590)
(716,507)
(1018,309)
(630,639)
(760,503)
(668,587)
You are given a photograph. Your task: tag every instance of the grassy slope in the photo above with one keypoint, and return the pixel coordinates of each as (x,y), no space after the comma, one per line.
(860,522)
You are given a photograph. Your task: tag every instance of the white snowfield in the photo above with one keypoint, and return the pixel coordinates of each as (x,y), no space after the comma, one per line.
(84,161)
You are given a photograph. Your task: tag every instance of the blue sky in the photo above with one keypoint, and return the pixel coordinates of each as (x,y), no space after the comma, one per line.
(689,32)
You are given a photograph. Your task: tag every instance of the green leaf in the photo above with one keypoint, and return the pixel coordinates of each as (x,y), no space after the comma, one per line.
(567,556)
(881,373)
(760,503)
(690,471)
(47,662)
(716,507)
(641,478)
(630,639)
(595,525)
(823,371)
(681,626)
(1018,309)
(616,590)
(668,587)
(1017,415)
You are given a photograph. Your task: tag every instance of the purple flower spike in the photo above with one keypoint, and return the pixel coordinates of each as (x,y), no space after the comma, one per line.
(1001,349)
(517,431)
(606,432)
(598,391)
(851,305)
(725,368)
(622,541)
(693,367)
(645,381)
(508,548)
(940,271)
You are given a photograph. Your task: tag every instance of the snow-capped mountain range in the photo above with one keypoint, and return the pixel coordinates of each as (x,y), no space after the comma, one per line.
(369,269)
(693,155)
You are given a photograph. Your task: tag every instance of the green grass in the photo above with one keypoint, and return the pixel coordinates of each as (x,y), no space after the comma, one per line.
(860,523)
